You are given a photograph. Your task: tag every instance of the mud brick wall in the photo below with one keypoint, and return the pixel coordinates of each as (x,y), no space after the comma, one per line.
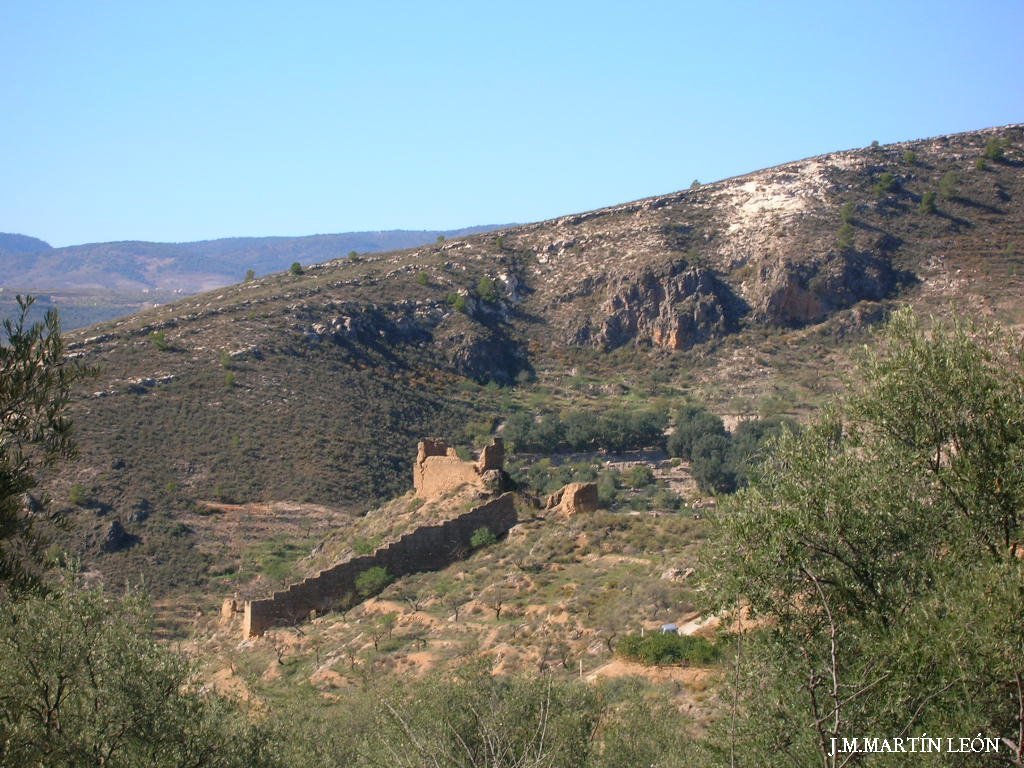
(429,548)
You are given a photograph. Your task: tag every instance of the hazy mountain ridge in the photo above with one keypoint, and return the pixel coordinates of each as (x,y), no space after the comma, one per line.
(133,266)
(12,244)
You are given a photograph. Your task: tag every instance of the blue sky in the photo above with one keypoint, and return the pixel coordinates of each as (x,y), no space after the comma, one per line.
(184,121)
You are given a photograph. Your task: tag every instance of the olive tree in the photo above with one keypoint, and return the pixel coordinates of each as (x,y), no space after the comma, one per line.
(877,555)
(85,684)
(35,384)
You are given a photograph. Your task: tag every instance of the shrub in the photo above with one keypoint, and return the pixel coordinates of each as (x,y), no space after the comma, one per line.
(458,302)
(250,275)
(910,157)
(159,339)
(657,649)
(995,149)
(482,537)
(77,495)
(640,476)
(948,185)
(844,237)
(422,278)
(487,289)
(295,268)
(886,183)
(363,546)
(846,212)
(928,202)
(372,580)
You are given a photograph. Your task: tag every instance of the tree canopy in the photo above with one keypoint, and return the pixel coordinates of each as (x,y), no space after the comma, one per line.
(878,555)
(35,384)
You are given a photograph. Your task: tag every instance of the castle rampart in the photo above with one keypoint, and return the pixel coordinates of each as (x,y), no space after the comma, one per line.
(429,548)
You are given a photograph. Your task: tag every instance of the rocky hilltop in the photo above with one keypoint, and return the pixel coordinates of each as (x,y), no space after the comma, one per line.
(746,293)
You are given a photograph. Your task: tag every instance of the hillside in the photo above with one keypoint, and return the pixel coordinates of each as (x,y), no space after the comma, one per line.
(747,294)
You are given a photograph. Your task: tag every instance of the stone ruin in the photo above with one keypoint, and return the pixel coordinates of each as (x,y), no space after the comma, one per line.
(573,499)
(439,470)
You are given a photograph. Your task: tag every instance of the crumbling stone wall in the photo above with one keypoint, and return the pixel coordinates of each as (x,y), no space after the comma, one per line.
(439,470)
(429,548)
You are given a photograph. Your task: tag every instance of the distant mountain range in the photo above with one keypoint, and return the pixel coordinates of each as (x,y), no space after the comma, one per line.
(30,264)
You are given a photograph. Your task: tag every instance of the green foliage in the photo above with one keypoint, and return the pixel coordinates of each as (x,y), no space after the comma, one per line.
(639,476)
(846,212)
(711,464)
(372,580)
(886,183)
(909,157)
(35,389)
(658,649)
(487,289)
(476,719)
(695,184)
(995,149)
(720,463)
(229,379)
(928,202)
(363,546)
(440,239)
(250,275)
(577,430)
(77,495)
(422,278)
(880,548)
(692,422)
(159,339)
(948,185)
(458,302)
(84,683)
(482,537)
(981,164)
(295,268)
(845,235)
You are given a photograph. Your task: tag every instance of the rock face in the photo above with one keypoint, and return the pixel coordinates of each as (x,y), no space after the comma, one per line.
(479,352)
(574,499)
(795,294)
(675,307)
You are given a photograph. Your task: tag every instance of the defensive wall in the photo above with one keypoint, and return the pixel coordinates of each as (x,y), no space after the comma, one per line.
(429,548)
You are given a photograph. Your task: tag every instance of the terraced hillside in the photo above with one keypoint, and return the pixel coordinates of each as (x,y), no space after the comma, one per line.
(748,294)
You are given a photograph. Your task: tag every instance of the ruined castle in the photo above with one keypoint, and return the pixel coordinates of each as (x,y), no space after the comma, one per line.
(438,471)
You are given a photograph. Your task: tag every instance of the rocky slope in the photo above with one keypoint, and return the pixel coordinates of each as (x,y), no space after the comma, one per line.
(748,293)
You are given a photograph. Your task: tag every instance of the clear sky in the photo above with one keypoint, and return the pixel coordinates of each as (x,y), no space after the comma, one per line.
(190,120)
